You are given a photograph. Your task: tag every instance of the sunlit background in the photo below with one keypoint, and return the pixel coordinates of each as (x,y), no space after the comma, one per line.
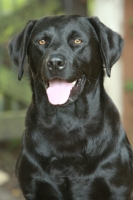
(15,95)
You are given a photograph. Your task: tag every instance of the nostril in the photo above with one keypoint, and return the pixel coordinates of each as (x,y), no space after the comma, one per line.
(50,65)
(56,63)
(61,63)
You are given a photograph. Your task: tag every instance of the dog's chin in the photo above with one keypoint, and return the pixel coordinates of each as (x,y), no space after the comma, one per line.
(60,92)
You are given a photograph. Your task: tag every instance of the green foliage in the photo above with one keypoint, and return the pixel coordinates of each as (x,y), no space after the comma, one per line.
(12,124)
(13,144)
(90,7)
(129,86)
(13,23)
(10,87)
(9,6)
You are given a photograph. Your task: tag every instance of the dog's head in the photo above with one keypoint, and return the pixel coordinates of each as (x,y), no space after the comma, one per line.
(64,51)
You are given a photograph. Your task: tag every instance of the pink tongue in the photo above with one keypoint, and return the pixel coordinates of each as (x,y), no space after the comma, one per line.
(58,91)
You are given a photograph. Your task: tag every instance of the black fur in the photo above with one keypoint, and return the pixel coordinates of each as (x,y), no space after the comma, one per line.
(77,150)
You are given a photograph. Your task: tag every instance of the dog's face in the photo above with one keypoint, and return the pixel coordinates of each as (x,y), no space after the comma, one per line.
(63,48)
(64,52)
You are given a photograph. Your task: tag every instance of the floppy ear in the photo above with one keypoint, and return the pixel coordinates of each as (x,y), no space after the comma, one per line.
(110,42)
(18,47)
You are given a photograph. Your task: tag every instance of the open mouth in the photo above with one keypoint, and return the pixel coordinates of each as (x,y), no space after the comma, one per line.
(60,91)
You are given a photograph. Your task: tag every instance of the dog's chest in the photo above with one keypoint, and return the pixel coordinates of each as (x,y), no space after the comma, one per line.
(71,168)
(72,174)
(61,134)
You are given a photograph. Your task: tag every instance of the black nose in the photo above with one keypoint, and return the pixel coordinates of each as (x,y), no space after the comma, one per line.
(56,62)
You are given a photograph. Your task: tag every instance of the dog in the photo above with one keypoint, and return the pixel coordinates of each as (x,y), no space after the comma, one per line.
(74,146)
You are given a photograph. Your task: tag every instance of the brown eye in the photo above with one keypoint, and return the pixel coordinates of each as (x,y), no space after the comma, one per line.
(42,42)
(77,41)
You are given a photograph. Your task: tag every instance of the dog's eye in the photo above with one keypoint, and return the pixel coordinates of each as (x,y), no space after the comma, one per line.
(77,41)
(42,42)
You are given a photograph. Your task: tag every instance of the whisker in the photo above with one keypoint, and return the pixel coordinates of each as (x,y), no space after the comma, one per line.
(79,71)
(89,83)
(79,56)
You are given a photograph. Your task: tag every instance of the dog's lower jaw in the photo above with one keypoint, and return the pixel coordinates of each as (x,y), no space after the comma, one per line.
(77,90)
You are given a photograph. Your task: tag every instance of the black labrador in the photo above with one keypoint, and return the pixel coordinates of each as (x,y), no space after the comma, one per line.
(74,145)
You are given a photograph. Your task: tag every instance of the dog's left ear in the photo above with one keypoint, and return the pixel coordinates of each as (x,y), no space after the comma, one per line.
(18,47)
(110,42)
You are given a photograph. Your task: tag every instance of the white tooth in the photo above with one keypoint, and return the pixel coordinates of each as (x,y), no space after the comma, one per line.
(46,85)
(74,83)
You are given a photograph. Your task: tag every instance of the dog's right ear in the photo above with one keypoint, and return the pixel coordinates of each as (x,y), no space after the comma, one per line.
(19,45)
(110,43)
